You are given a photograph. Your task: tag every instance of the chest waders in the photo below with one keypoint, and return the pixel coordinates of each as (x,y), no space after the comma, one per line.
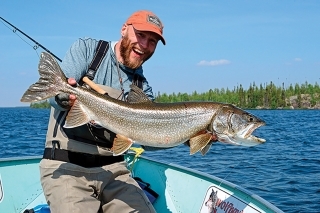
(86,145)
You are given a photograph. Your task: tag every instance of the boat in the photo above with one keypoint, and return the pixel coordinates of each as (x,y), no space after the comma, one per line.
(171,188)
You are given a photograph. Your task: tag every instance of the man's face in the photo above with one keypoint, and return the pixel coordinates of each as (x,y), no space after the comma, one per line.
(137,47)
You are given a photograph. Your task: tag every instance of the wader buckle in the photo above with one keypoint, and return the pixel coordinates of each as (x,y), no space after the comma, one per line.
(54,144)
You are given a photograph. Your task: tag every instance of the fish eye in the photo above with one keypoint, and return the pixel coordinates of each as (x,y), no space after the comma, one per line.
(250,118)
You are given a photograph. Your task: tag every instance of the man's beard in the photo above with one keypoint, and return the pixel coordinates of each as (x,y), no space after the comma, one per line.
(125,49)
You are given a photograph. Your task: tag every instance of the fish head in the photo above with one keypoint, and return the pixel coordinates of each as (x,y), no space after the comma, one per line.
(235,126)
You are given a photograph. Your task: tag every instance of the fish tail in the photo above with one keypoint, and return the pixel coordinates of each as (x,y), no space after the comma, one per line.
(51,82)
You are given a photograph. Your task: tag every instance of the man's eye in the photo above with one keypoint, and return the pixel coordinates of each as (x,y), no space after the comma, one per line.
(153,42)
(140,34)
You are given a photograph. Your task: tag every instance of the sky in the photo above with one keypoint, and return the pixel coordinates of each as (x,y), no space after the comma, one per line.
(210,44)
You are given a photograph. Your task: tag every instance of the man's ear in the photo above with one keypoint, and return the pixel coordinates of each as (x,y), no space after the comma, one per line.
(124,30)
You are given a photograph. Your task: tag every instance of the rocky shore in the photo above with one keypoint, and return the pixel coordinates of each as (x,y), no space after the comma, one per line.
(305,101)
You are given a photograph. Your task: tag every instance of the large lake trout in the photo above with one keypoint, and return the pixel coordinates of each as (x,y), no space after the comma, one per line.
(144,122)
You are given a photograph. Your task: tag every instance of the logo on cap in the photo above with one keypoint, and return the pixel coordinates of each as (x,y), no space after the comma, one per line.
(154,20)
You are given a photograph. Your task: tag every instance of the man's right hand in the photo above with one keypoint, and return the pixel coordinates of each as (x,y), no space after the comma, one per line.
(65,100)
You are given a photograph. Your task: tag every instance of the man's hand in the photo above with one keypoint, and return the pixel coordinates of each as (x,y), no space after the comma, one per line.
(66,100)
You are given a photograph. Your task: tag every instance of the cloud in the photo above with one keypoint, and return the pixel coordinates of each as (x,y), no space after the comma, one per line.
(297,59)
(213,63)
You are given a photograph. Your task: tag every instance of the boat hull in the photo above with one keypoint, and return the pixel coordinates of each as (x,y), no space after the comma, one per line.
(180,189)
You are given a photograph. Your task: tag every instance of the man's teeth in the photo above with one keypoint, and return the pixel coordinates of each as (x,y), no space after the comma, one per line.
(138,51)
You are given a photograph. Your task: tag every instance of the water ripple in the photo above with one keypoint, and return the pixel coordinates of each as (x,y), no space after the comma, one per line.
(285,170)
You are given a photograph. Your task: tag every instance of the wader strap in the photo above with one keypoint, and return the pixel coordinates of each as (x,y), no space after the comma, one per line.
(81,159)
(60,116)
(101,51)
(137,80)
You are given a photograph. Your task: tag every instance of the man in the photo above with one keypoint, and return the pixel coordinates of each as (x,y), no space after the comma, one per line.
(78,171)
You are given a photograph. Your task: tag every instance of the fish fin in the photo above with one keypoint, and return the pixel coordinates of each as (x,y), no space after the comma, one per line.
(152,148)
(51,80)
(77,116)
(205,149)
(136,95)
(214,138)
(121,144)
(187,143)
(199,142)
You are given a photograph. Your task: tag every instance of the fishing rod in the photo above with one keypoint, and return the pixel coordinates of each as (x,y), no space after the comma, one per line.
(85,79)
(37,43)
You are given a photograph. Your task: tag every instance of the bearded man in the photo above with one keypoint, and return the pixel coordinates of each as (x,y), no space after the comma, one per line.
(78,171)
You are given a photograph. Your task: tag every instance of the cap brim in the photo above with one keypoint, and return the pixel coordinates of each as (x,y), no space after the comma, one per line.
(143,27)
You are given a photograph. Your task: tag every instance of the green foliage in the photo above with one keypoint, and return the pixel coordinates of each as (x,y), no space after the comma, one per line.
(41,105)
(267,96)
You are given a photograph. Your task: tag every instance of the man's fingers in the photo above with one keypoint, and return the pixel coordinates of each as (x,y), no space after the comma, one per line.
(72,97)
(72,81)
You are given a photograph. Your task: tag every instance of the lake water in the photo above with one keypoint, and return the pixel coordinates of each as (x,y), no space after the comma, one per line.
(284,171)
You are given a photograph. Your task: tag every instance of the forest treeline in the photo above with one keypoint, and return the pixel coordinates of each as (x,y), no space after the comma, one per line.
(40,105)
(267,96)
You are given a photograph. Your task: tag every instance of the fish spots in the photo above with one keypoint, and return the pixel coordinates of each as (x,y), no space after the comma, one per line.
(167,139)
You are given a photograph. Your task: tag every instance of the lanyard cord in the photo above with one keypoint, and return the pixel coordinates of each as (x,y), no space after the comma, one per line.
(120,80)
(119,75)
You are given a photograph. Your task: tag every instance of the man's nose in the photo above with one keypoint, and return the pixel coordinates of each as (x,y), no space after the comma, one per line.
(144,43)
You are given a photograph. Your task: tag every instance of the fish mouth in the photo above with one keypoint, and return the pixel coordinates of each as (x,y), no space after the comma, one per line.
(247,132)
(243,137)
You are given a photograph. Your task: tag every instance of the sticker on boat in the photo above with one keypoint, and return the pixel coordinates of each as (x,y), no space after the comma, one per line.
(218,201)
(1,190)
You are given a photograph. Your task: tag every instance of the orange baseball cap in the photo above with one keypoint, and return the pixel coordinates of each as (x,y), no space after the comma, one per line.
(144,20)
